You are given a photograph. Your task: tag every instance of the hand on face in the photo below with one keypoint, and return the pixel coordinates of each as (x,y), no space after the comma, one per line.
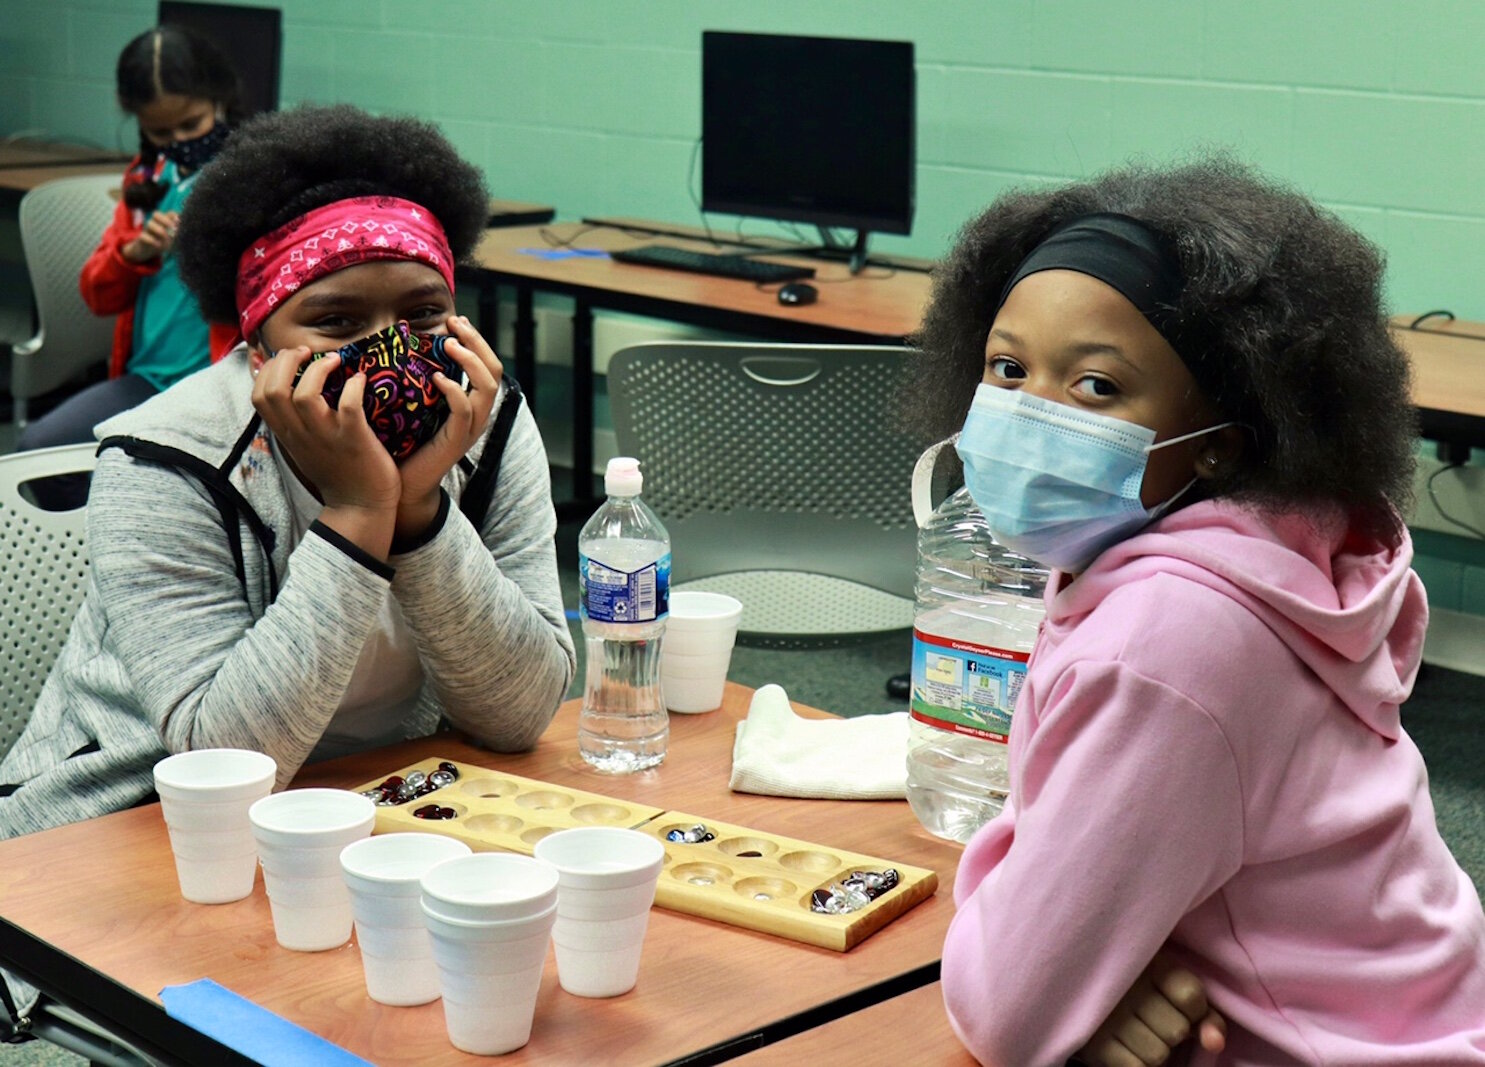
(334,449)
(469,412)
(156,239)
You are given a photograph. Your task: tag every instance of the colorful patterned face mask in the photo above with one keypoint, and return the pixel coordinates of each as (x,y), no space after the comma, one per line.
(402,403)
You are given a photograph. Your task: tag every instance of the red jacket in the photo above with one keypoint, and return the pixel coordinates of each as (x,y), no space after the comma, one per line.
(110,283)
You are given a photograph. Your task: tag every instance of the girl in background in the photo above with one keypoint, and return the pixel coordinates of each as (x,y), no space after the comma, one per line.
(184,94)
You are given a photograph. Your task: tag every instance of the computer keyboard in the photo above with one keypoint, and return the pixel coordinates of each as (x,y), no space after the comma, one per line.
(720,264)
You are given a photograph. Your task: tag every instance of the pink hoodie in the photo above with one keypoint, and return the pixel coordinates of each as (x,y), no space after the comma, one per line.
(1207,751)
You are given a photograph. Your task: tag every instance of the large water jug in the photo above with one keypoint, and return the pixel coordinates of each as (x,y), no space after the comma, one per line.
(979,607)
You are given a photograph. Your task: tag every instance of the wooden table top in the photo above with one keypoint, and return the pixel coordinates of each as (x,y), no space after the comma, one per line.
(105,892)
(908,1029)
(24,152)
(24,179)
(882,302)
(1448,358)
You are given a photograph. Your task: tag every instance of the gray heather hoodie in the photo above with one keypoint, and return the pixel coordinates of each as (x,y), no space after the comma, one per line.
(204,627)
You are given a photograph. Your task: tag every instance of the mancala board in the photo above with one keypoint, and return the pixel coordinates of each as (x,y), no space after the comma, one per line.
(740,876)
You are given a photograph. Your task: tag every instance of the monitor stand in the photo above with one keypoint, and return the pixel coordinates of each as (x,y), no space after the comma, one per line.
(832,247)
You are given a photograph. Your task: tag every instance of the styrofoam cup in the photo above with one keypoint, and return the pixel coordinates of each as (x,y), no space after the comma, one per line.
(300,834)
(489,918)
(489,886)
(204,797)
(697,664)
(384,875)
(607,878)
(697,650)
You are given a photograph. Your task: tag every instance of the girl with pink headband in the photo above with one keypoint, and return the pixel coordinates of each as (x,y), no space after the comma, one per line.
(339,536)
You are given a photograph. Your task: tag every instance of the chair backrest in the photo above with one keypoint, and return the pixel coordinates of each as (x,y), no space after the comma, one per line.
(43,569)
(773,457)
(60,224)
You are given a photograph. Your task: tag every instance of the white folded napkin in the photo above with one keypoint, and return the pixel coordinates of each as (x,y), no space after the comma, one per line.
(777,753)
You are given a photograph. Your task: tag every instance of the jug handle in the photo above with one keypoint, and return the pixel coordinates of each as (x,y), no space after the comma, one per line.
(923,504)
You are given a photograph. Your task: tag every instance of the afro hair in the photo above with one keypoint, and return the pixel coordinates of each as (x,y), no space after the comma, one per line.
(281,165)
(1280,322)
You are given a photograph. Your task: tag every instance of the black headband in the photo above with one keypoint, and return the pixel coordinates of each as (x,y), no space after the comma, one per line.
(1121,252)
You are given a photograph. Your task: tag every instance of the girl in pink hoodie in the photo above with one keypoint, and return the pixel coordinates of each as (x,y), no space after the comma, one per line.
(1177,389)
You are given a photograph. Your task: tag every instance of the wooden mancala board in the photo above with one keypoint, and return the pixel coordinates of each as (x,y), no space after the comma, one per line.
(743,877)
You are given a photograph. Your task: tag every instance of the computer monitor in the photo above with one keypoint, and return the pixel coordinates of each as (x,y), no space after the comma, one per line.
(252,37)
(819,130)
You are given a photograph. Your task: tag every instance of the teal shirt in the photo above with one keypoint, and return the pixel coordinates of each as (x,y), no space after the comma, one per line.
(171,339)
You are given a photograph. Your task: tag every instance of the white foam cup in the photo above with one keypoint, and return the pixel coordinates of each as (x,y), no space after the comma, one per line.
(489,918)
(489,887)
(697,650)
(300,834)
(204,797)
(607,877)
(384,876)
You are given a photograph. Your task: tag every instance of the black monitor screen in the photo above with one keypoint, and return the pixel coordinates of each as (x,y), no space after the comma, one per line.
(808,129)
(249,36)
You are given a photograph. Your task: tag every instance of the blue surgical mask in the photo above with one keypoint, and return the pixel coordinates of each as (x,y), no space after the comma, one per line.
(1056,483)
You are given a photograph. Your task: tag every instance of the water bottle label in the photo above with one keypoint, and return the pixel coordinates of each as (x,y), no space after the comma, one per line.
(610,595)
(964,687)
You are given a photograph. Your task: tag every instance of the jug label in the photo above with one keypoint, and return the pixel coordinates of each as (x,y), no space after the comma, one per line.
(964,687)
(610,595)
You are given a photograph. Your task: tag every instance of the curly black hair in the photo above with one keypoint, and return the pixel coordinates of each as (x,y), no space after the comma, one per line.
(1280,321)
(281,165)
(177,61)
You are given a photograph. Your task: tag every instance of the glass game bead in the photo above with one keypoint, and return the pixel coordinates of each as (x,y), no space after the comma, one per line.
(433,811)
(440,778)
(694,836)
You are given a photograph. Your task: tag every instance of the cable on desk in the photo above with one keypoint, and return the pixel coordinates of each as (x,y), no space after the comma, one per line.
(1434,498)
(1421,319)
(552,239)
(773,287)
(1448,316)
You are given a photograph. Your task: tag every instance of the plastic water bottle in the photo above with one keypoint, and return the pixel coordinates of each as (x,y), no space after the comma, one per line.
(979,607)
(624,577)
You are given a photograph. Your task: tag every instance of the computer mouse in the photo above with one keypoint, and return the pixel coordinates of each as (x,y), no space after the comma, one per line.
(798,293)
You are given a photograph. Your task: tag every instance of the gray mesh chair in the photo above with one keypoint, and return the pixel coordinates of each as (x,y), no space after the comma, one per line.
(783,478)
(61,222)
(43,569)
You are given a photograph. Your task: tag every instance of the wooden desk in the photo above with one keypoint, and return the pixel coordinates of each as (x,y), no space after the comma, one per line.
(911,1028)
(878,306)
(519,213)
(105,893)
(1448,358)
(17,181)
(34,154)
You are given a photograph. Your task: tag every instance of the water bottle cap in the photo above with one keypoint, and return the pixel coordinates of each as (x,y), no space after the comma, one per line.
(622,477)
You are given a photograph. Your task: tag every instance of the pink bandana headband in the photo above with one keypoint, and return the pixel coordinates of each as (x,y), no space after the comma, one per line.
(329,239)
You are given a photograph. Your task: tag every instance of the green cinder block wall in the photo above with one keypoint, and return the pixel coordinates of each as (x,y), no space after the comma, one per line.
(1375,108)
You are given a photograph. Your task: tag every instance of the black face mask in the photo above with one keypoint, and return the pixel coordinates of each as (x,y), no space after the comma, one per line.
(196,153)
